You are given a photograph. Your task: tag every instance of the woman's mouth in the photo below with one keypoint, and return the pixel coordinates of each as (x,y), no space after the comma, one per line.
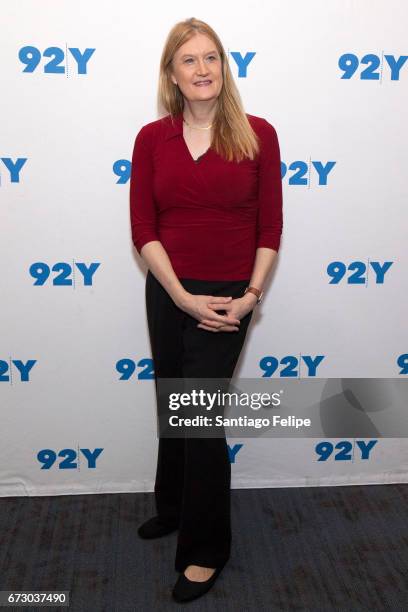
(202,83)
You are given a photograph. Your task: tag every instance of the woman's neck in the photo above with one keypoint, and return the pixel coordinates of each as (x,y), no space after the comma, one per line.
(200,114)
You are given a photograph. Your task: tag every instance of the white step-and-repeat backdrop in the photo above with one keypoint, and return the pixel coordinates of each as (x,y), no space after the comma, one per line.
(79,79)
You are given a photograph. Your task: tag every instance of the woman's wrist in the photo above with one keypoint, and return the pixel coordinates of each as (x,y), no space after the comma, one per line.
(250,298)
(181,297)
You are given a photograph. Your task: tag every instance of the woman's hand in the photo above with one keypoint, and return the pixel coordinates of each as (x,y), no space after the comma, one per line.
(237,308)
(204,308)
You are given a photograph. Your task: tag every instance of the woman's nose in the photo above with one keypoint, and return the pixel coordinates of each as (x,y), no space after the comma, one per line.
(202,69)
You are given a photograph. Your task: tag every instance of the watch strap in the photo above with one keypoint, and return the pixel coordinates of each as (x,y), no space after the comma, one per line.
(257,292)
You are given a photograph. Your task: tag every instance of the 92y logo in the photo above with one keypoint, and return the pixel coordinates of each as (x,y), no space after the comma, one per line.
(345,450)
(57,61)
(402,362)
(48,457)
(337,270)
(242,61)
(375,68)
(304,171)
(24,369)
(41,272)
(13,168)
(291,365)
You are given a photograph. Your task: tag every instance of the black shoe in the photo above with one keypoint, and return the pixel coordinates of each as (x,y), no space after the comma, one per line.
(186,590)
(155,528)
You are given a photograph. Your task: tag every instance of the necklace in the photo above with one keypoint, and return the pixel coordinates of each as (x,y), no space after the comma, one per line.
(198,128)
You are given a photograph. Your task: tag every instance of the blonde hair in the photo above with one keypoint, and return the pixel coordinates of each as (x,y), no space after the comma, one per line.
(233,136)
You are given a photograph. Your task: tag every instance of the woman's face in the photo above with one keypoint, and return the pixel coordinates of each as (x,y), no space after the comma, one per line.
(198,61)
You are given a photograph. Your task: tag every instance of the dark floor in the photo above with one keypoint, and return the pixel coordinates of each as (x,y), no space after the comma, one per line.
(315,549)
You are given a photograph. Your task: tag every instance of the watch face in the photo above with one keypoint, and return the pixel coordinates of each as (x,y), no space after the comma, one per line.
(260,298)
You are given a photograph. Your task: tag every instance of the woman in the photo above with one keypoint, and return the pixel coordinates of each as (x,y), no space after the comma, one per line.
(206,217)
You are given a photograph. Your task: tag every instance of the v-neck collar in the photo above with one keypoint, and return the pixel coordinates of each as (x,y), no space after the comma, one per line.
(175,128)
(174,125)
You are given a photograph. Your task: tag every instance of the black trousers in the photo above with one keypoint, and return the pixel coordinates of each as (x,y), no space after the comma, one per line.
(193,476)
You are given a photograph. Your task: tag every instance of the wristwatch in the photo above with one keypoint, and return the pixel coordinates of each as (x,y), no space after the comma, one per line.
(255,291)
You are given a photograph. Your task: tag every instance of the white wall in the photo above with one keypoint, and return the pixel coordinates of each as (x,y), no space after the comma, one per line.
(68,206)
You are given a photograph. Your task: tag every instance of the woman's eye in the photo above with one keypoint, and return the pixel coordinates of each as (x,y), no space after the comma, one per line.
(190,59)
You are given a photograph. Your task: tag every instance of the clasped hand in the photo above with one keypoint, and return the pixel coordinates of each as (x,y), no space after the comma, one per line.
(204,308)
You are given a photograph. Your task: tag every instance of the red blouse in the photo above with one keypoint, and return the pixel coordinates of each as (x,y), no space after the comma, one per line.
(209,214)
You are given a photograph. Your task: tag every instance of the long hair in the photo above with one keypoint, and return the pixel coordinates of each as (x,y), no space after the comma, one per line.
(233,137)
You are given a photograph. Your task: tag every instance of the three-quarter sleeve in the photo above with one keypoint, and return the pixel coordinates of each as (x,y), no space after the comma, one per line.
(270,217)
(142,205)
